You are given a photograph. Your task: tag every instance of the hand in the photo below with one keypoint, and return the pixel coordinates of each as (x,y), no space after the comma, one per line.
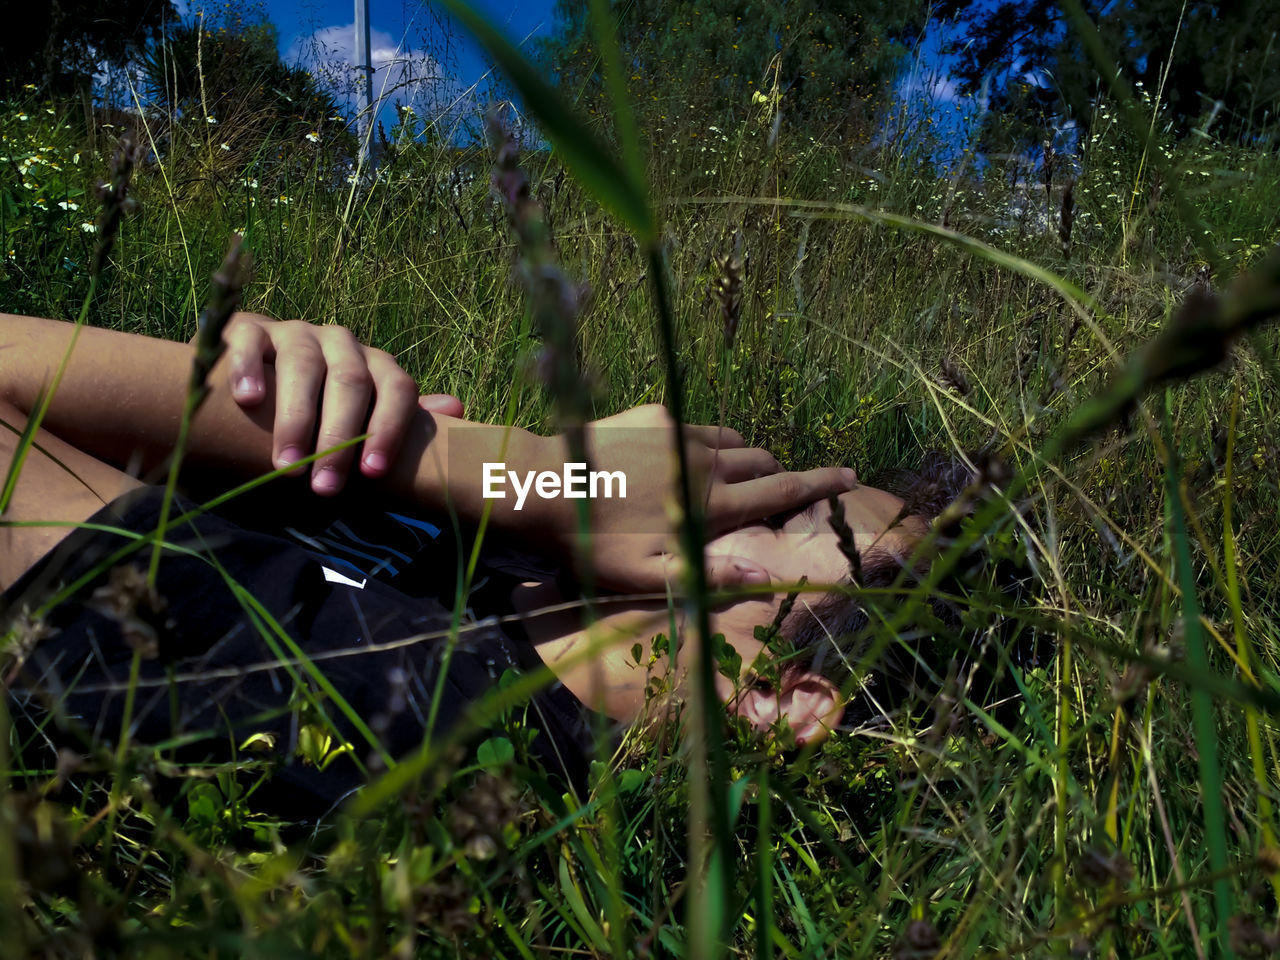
(310,359)
(632,542)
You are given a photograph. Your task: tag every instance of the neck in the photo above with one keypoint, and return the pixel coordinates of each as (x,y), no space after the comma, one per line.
(611,664)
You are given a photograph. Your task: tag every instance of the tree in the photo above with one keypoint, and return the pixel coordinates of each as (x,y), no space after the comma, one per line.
(701,60)
(59,44)
(228,67)
(1029,52)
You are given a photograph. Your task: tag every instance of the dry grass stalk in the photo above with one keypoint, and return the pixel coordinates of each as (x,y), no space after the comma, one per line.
(116,202)
(555,300)
(728,289)
(1066,217)
(228,287)
(953,378)
(844,538)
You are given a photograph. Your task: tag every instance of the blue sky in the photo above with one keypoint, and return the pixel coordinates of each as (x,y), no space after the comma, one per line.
(404,39)
(400,19)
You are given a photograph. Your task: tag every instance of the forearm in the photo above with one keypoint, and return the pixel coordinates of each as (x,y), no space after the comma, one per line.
(122,395)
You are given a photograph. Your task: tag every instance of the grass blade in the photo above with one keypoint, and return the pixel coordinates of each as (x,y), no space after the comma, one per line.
(606,30)
(590,160)
(1206,736)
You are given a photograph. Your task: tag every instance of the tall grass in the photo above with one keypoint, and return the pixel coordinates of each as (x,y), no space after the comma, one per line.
(1121,804)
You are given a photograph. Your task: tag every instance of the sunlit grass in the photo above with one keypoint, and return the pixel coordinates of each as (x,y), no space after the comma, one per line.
(1072,815)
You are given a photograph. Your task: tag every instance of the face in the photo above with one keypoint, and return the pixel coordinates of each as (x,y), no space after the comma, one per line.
(804,545)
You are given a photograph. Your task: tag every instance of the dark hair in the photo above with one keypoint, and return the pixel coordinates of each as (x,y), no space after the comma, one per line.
(830,633)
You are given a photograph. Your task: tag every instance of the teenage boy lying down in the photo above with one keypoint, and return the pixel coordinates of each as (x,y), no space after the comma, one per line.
(241,619)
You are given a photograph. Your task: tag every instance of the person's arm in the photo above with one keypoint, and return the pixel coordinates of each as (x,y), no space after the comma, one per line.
(122,396)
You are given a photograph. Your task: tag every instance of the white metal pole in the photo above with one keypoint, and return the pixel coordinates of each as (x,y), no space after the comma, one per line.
(364,70)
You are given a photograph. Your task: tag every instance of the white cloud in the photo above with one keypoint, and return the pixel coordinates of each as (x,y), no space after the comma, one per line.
(411,77)
(938,87)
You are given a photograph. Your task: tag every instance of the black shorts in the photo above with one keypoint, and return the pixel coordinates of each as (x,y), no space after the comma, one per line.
(219,665)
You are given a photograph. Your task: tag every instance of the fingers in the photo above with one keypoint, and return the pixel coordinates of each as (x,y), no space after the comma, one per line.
(300,373)
(723,573)
(738,503)
(248,347)
(396,400)
(745,463)
(445,404)
(721,438)
(348,387)
(310,359)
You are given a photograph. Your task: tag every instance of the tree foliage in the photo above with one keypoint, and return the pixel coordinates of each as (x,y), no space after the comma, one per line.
(228,67)
(1205,58)
(703,60)
(59,44)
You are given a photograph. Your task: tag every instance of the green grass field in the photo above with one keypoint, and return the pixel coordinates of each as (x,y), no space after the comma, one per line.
(1121,805)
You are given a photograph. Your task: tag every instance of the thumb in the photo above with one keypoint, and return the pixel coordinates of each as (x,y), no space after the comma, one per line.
(445,404)
(658,573)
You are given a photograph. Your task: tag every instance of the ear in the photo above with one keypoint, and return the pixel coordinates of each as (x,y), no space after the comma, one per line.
(809,702)
(812,705)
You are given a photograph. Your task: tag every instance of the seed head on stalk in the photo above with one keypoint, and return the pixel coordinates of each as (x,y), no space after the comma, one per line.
(728,289)
(555,303)
(844,538)
(116,202)
(228,286)
(1066,217)
(555,300)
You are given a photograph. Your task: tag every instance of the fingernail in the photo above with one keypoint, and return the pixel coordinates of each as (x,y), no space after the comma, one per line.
(375,462)
(325,480)
(289,455)
(849,477)
(755,575)
(246,385)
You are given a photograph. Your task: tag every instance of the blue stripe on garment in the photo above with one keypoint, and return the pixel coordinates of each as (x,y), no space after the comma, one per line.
(346,531)
(379,562)
(322,548)
(432,530)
